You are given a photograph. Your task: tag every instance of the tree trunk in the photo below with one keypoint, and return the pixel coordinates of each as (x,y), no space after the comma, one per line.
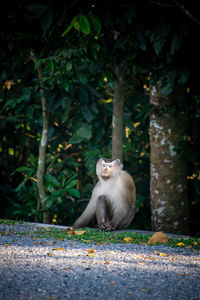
(117,121)
(168,184)
(42,147)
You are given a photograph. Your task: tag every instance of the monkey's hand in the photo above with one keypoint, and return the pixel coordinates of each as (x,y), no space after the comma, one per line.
(106,226)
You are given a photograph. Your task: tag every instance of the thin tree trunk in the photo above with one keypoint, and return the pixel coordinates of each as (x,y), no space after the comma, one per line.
(168,185)
(117,121)
(42,146)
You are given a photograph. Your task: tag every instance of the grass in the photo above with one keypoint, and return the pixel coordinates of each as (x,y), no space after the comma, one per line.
(100,237)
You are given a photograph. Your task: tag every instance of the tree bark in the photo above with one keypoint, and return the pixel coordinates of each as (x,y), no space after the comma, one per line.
(168,184)
(117,121)
(42,147)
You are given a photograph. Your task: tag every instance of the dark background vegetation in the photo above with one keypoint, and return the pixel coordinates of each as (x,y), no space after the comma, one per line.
(153,36)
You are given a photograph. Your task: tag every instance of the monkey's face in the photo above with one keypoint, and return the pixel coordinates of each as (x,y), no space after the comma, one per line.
(108,168)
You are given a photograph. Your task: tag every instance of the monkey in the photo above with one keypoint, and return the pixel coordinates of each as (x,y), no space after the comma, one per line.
(113,198)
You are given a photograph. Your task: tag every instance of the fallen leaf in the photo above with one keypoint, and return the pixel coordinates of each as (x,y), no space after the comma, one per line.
(49,254)
(182,274)
(50,243)
(149,257)
(58,249)
(130,293)
(79,232)
(197,258)
(37,243)
(113,282)
(60,239)
(76,232)
(160,253)
(7,245)
(158,237)
(66,269)
(86,241)
(141,264)
(107,262)
(180,244)
(128,239)
(139,257)
(195,243)
(102,243)
(90,255)
(91,250)
(145,290)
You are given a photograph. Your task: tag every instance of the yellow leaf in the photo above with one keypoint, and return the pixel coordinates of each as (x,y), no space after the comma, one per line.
(128,239)
(135,125)
(57,249)
(180,244)
(90,255)
(160,253)
(49,243)
(86,241)
(90,250)
(76,232)
(158,237)
(7,245)
(80,232)
(195,244)
(149,257)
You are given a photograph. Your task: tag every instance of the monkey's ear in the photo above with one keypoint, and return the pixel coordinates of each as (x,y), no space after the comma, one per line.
(119,162)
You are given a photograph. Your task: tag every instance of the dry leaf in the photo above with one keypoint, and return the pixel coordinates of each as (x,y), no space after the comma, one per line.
(160,253)
(182,274)
(91,250)
(113,282)
(149,257)
(107,262)
(180,244)
(158,237)
(50,243)
(49,254)
(128,239)
(58,249)
(76,232)
(141,264)
(102,243)
(37,243)
(66,269)
(7,245)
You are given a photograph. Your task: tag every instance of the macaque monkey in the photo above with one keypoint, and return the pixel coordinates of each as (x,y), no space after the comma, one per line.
(113,198)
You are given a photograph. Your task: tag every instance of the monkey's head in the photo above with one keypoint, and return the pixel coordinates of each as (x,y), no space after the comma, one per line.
(108,168)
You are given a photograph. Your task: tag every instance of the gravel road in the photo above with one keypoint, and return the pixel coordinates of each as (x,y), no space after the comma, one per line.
(48,270)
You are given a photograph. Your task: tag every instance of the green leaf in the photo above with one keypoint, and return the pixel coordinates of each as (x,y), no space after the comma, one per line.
(72,24)
(71,184)
(96,23)
(21,169)
(84,24)
(51,180)
(51,64)
(69,66)
(87,113)
(73,192)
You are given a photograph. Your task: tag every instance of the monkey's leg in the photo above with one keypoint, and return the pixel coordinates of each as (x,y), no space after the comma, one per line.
(102,213)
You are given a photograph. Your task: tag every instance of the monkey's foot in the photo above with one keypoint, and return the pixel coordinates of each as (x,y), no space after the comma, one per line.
(106,226)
